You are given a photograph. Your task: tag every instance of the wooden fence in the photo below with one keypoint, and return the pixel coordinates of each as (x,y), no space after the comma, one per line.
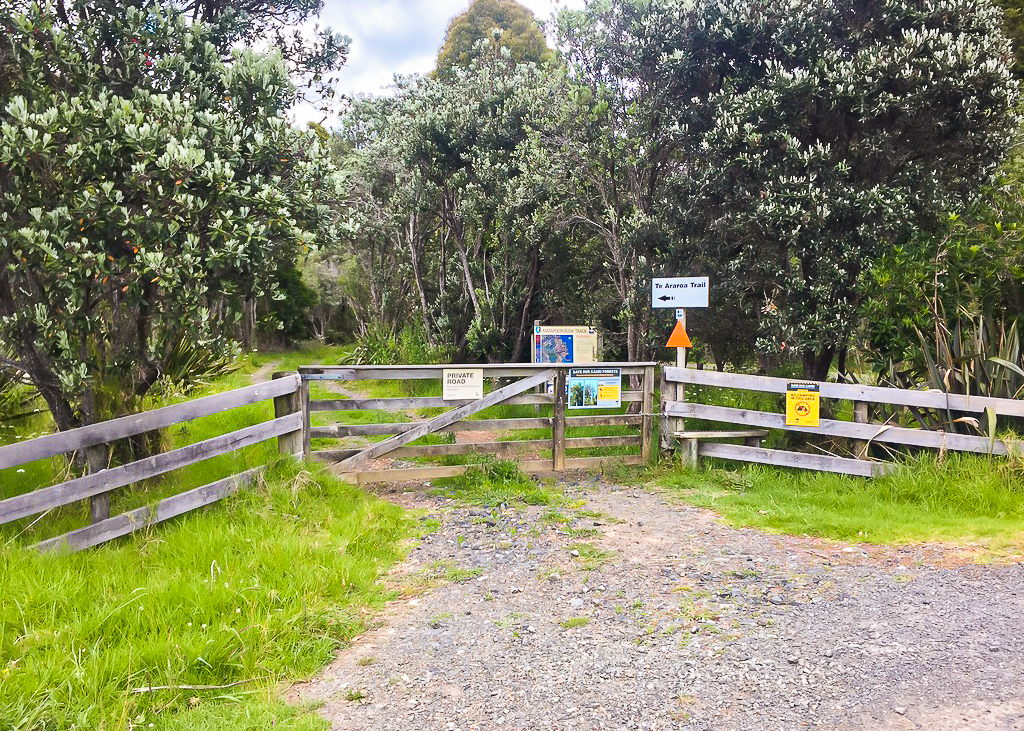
(287,427)
(354,460)
(862,431)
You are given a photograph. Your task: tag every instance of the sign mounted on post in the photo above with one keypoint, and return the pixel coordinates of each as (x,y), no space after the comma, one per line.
(570,344)
(802,404)
(462,384)
(595,388)
(669,292)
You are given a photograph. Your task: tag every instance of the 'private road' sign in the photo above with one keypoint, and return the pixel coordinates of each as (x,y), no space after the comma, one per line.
(461,384)
(679,292)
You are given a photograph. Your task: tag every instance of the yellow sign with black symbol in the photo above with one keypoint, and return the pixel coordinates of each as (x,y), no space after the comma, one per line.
(802,404)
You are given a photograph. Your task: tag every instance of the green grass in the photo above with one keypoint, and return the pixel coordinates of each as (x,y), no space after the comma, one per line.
(959,499)
(259,588)
(492,484)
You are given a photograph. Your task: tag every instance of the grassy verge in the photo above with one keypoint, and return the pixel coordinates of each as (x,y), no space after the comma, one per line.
(959,499)
(252,591)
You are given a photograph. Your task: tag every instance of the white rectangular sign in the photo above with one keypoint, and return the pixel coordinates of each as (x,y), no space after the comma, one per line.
(462,383)
(679,292)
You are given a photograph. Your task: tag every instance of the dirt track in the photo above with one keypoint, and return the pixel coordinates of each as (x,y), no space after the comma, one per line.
(682,624)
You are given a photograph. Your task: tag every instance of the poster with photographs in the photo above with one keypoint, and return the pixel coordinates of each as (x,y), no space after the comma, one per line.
(595,388)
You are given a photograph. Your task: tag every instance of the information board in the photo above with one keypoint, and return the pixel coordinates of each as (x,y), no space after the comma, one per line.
(462,383)
(564,344)
(802,404)
(595,388)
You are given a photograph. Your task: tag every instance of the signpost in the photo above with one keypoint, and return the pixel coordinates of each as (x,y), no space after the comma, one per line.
(678,293)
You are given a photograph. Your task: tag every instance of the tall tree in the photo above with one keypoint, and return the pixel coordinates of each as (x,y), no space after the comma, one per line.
(150,185)
(505,23)
(823,133)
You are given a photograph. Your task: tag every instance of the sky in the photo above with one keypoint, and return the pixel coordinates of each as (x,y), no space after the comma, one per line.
(397,36)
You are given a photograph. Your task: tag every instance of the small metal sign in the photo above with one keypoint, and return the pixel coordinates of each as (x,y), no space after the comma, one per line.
(802,404)
(459,384)
(679,292)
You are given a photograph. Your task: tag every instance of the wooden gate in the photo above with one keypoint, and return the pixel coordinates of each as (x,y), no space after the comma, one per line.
(530,389)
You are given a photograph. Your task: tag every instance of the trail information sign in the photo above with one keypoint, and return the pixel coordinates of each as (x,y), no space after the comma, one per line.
(462,383)
(595,388)
(564,344)
(802,404)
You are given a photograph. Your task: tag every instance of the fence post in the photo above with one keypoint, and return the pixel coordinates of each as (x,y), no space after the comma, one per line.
(647,421)
(558,424)
(861,416)
(304,408)
(292,442)
(99,505)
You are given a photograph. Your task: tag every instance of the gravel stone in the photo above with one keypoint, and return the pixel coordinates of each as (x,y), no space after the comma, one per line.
(689,625)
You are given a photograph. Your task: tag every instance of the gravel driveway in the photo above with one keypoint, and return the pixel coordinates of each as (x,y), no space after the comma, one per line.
(643,613)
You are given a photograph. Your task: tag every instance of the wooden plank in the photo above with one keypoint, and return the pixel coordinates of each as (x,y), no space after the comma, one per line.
(530,467)
(647,423)
(800,460)
(431,402)
(852,392)
(447,418)
(722,434)
(149,515)
(558,424)
(126,426)
(502,447)
(849,429)
(542,422)
(491,370)
(37,501)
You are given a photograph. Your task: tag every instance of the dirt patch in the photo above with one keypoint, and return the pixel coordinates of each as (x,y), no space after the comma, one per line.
(630,611)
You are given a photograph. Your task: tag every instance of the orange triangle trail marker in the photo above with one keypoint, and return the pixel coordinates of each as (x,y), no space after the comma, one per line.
(679,338)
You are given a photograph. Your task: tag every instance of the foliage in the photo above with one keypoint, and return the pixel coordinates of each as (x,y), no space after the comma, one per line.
(259,589)
(506,23)
(149,187)
(447,218)
(973,265)
(819,134)
(382,346)
(1013,27)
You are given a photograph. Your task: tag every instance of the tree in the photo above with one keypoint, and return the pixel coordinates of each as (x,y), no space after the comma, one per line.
(505,23)
(1013,27)
(150,188)
(447,206)
(821,134)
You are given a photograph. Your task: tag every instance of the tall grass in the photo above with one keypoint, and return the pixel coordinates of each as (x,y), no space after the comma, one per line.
(960,498)
(253,590)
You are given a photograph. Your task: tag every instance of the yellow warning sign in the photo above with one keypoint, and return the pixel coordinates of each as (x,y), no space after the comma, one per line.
(679,338)
(802,404)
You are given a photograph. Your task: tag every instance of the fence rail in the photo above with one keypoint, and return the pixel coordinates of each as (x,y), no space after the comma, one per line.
(287,427)
(675,408)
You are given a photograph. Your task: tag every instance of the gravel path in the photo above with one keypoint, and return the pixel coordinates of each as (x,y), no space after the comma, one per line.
(668,620)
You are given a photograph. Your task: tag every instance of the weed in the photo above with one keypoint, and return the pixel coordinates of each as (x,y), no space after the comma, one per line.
(589,555)
(575,622)
(366,660)
(355,694)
